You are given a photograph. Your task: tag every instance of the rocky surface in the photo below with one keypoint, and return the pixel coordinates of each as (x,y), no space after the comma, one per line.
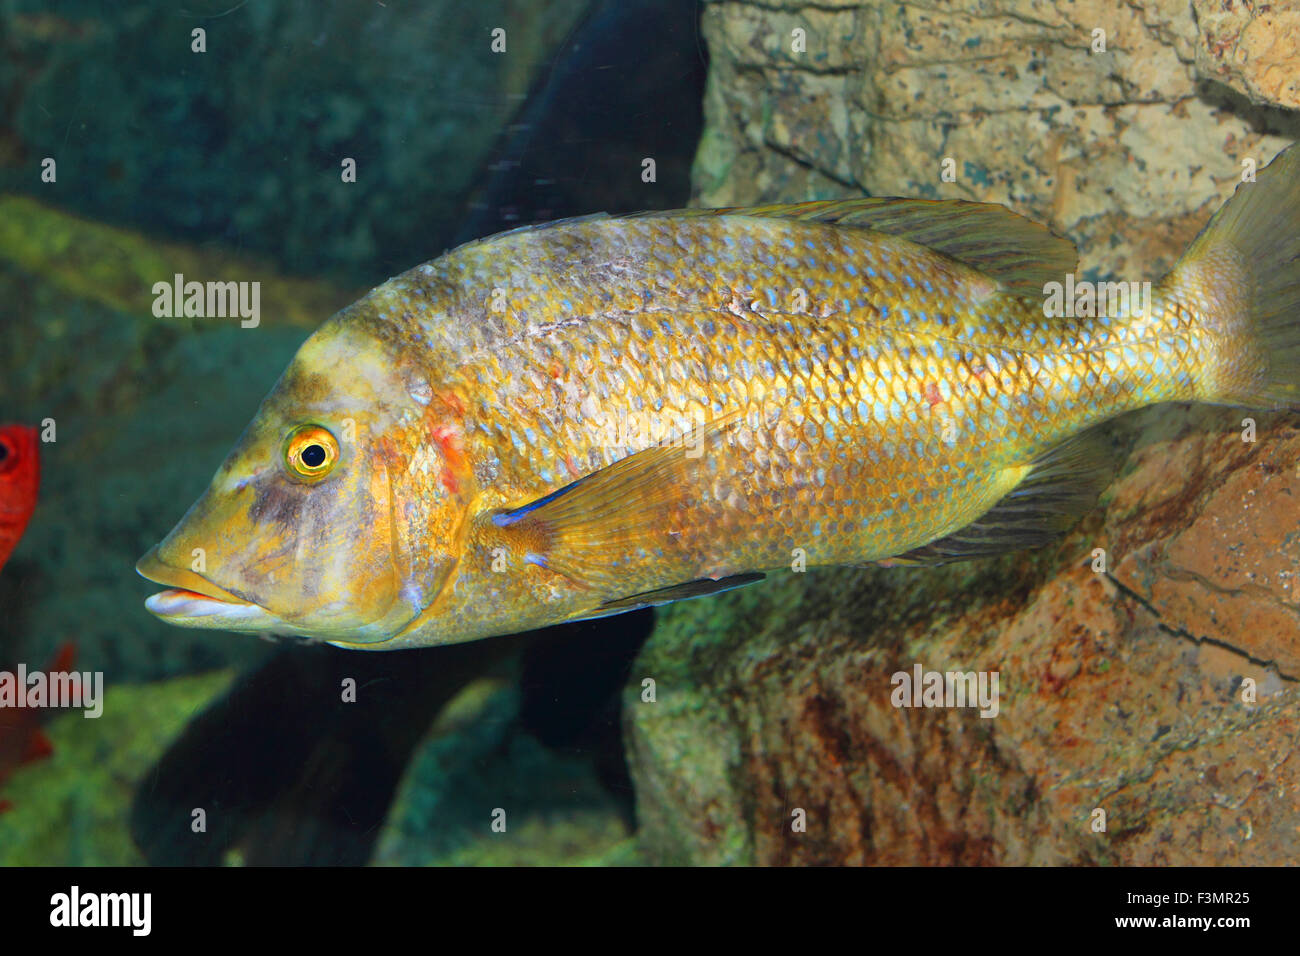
(1252,47)
(475,762)
(1126,151)
(1148,706)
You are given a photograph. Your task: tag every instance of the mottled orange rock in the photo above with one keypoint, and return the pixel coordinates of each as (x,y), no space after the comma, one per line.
(1224,564)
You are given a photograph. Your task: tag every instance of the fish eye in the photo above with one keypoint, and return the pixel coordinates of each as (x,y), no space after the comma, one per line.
(6,455)
(310,452)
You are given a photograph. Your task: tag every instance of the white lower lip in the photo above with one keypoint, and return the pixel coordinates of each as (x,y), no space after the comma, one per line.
(178,606)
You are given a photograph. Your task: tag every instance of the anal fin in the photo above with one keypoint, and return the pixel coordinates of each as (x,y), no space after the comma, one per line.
(1061,486)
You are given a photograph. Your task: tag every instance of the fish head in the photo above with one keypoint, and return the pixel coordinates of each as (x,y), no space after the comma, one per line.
(332,518)
(19,465)
(19,478)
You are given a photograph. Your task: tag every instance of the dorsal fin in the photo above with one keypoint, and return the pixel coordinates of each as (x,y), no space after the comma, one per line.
(1019,253)
(534,227)
(1061,486)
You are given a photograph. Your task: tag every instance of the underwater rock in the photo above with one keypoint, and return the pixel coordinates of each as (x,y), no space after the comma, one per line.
(1120,690)
(537,739)
(1125,151)
(476,769)
(1255,49)
(1209,539)
(1148,697)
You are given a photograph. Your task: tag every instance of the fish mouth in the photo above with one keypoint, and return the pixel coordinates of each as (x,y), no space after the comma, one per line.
(191,600)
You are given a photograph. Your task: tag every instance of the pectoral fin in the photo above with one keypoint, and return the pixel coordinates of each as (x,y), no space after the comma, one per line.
(679,592)
(629,512)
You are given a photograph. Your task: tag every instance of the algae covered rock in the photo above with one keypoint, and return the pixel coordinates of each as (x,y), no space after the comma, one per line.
(72,808)
(480,792)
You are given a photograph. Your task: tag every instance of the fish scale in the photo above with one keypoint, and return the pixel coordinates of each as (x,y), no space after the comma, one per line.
(842,451)
(570,420)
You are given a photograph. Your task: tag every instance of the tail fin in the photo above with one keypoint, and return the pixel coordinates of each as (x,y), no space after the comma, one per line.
(1244,270)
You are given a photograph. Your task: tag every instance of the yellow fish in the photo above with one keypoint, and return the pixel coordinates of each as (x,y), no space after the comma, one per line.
(572,420)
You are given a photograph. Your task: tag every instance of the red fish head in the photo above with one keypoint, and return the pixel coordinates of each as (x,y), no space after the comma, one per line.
(19,478)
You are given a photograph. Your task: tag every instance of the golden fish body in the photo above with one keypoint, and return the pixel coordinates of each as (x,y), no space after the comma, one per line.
(568,421)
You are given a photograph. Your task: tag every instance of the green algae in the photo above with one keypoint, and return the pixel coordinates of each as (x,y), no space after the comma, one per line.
(72,808)
(118,268)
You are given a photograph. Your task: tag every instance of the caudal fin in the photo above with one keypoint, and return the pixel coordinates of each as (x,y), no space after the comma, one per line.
(1242,273)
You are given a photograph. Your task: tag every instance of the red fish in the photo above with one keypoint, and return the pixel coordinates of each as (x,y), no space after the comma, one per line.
(21,739)
(20,474)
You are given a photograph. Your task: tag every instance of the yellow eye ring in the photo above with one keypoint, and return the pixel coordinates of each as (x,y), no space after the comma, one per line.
(310,452)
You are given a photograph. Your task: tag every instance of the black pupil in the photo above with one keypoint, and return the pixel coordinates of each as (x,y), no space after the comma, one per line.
(4,451)
(313,456)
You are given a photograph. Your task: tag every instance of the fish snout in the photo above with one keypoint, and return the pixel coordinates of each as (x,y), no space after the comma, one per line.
(191,600)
